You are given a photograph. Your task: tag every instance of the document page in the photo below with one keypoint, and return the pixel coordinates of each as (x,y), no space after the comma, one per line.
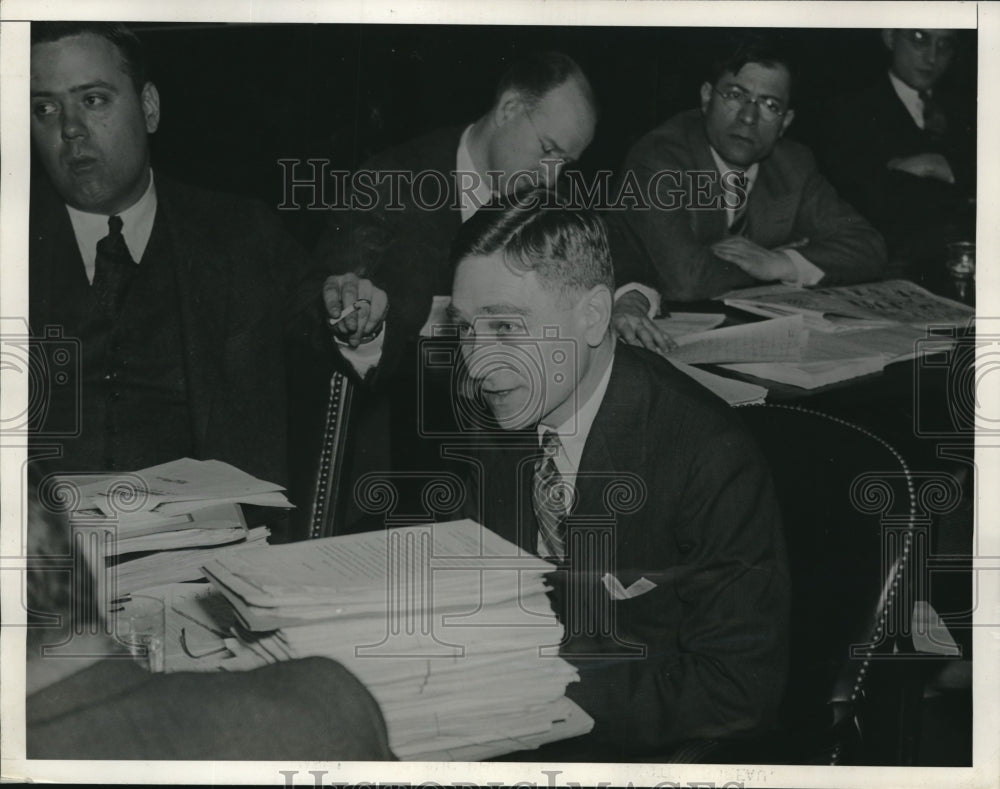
(776,340)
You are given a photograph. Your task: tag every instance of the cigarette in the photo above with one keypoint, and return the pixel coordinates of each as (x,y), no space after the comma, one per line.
(349,311)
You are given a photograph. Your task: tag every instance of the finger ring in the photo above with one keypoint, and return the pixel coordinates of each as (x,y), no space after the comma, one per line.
(359,301)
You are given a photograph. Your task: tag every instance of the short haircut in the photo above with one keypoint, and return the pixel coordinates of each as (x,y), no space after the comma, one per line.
(764,48)
(535,74)
(129,46)
(566,246)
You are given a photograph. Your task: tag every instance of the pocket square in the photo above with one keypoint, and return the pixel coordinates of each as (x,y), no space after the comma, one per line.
(619,592)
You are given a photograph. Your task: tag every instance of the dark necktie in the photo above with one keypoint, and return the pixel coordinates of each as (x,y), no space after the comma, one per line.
(113,268)
(738,227)
(935,121)
(550,496)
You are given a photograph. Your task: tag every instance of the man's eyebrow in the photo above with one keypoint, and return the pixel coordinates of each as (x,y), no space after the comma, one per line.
(453,313)
(745,89)
(504,309)
(100,83)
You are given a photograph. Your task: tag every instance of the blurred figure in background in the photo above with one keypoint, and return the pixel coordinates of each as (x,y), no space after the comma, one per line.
(903,150)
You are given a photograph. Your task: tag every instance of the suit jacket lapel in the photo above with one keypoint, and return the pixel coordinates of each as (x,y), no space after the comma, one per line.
(772,206)
(711,224)
(203,272)
(54,257)
(612,453)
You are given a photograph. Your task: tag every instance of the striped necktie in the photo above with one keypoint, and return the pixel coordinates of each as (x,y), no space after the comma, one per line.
(738,227)
(935,121)
(113,268)
(550,496)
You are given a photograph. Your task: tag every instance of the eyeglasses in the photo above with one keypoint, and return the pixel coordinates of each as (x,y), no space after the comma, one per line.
(921,39)
(770,108)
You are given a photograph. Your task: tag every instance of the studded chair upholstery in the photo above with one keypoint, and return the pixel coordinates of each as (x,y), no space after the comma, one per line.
(327,504)
(849,511)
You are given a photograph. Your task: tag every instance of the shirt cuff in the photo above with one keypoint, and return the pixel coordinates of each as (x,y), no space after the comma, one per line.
(365,356)
(652,296)
(807,274)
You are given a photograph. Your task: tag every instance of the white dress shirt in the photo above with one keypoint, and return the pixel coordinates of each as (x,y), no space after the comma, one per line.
(137,226)
(467,175)
(806,272)
(910,98)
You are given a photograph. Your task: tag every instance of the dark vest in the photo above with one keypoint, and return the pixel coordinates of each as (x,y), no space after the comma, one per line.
(133,410)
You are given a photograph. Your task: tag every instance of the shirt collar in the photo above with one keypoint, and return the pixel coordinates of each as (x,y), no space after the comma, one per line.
(910,98)
(137,226)
(574,431)
(723,168)
(481,195)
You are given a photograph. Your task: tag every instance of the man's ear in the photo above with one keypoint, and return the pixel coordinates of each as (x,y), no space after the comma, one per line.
(787,121)
(706,95)
(889,38)
(150,98)
(509,105)
(595,313)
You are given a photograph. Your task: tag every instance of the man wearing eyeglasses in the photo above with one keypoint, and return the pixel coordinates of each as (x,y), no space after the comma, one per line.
(753,208)
(542,118)
(903,150)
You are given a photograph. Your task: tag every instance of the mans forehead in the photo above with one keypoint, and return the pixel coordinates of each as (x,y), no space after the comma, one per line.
(566,116)
(773,78)
(86,55)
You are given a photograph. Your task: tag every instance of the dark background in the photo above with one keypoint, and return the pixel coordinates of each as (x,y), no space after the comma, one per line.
(236,98)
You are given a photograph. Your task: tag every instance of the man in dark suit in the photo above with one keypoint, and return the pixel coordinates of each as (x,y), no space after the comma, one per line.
(542,118)
(640,484)
(87,699)
(400,231)
(903,150)
(730,202)
(178,300)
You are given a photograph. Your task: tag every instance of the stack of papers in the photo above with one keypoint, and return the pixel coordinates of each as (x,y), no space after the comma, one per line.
(167,520)
(448,625)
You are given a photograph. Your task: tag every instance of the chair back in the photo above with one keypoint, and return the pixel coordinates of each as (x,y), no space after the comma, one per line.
(848,507)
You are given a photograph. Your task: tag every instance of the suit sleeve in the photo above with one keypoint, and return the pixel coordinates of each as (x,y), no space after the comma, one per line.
(714,630)
(381,243)
(841,242)
(658,246)
(380,237)
(855,157)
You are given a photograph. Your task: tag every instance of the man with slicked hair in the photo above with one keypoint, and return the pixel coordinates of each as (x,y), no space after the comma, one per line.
(642,487)
(542,118)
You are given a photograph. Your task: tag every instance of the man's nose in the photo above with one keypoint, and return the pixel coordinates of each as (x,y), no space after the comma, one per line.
(73,124)
(749,113)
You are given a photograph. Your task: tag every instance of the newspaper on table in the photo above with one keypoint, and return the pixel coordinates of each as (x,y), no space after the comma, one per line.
(851,330)
(448,625)
(852,307)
